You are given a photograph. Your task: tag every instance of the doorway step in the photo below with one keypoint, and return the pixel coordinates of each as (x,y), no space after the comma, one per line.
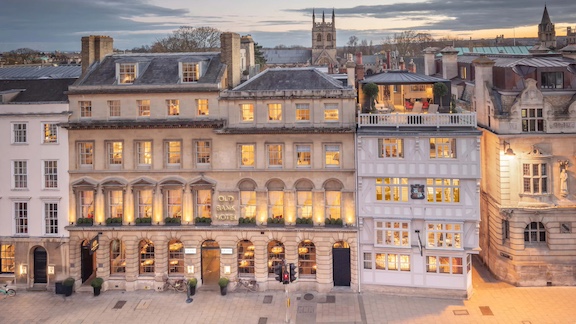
(38,287)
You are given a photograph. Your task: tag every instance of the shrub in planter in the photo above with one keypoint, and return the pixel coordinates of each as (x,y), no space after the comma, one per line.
(143,221)
(192,282)
(223,283)
(203,221)
(275,221)
(173,220)
(68,286)
(333,221)
(305,221)
(97,285)
(114,221)
(85,221)
(247,221)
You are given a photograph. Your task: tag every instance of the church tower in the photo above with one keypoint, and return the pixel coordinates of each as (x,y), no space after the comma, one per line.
(546,31)
(323,41)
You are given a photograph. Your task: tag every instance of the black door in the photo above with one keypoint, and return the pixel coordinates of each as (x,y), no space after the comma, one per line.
(40,265)
(341,266)
(87,262)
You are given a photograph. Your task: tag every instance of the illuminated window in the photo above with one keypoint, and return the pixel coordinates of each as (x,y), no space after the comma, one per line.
(50,133)
(117,257)
(331,112)
(275,112)
(247,154)
(442,148)
(535,178)
(51,218)
(303,112)
(274,155)
(444,264)
(333,204)
(533,120)
(332,155)
(392,189)
(276,204)
(463,72)
(276,256)
(115,204)
(443,190)
(392,262)
(85,108)
(50,172)
(390,148)
(21,217)
(19,174)
(204,203)
(389,233)
(248,204)
(127,73)
(114,108)
(247,112)
(173,106)
(144,154)
(306,259)
(190,72)
(304,203)
(144,199)
(143,108)
(173,203)
(114,154)
(146,258)
(7,253)
(19,133)
(444,235)
(86,206)
(245,258)
(202,105)
(85,154)
(173,153)
(175,257)
(203,152)
(303,155)
(535,232)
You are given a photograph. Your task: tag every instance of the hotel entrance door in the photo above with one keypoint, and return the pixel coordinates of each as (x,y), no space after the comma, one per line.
(341,264)
(210,263)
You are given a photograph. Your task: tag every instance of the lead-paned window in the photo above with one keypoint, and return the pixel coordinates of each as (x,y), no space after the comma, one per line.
(535,178)
(392,189)
(392,233)
(444,235)
(443,190)
(390,148)
(533,120)
(442,148)
(535,232)
(444,264)
(392,262)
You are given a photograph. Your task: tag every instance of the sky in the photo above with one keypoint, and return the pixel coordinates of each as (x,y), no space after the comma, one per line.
(48,25)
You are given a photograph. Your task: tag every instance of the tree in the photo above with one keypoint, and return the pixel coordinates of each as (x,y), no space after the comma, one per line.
(258,55)
(189,39)
(440,90)
(408,42)
(21,56)
(370,91)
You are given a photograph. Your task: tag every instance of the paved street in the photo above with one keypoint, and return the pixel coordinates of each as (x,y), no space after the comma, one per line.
(493,302)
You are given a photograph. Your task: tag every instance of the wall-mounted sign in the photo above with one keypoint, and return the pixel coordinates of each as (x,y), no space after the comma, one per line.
(189,250)
(417,191)
(226,207)
(93,245)
(226,250)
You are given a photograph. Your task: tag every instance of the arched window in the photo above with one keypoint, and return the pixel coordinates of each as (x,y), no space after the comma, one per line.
(146,259)
(333,199)
(176,257)
(319,37)
(245,259)
(304,198)
(306,259)
(329,37)
(247,199)
(275,255)
(117,257)
(275,199)
(535,232)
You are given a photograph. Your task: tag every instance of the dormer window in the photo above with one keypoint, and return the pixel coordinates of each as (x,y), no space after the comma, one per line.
(126,73)
(190,72)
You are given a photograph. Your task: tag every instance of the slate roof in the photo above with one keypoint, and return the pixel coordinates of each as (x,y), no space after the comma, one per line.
(291,79)
(40,72)
(512,60)
(401,77)
(287,56)
(43,90)
(152,123)
(155,69)
(493,50)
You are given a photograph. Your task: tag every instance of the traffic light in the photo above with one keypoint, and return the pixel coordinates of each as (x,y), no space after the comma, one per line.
(292,272)
(278,270)
(285,275)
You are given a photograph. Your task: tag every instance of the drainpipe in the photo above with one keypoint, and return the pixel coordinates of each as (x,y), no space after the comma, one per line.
(358,253)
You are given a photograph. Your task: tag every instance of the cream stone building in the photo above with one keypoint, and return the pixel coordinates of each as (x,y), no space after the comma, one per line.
(172,175)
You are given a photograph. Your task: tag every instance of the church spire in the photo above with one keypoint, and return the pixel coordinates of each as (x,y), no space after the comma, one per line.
(545,17)
(313,16)
(333,16)
(323,17)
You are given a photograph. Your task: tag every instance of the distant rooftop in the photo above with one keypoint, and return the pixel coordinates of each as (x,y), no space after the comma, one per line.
(40,72)
(401,77)
(494,50)
(287,56)
(291,79)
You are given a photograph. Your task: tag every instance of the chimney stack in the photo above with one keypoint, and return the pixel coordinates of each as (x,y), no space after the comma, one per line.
(430,60)
(247,44)
(230,55)
(350,70)
(359,67)
(94,49)
(449,62)
(484,80)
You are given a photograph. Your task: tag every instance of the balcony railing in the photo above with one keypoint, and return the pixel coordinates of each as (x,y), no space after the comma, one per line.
(398,120)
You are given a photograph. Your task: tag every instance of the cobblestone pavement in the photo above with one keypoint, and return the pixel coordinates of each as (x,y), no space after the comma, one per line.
(492,302)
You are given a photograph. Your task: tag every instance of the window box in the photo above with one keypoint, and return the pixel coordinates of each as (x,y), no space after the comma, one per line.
(247,221)
(172,221)
(304,222)
(114,221)
(85,221)
(202,221)
(332,222)
(275,222)
(144,221)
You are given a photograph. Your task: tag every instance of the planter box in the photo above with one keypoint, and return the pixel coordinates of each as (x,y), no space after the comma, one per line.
(248,224)
(143,224)
(172,224)
(304,225)
(202,224)
(114,224)
(84,224)
(274,225)
(333,225)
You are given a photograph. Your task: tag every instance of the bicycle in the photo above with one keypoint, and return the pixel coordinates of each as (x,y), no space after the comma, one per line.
(8,291)
(177,285)
(247,284)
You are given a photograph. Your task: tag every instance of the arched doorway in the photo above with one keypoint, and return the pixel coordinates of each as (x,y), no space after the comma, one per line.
(87,260)
(210,262)
(341,264)
(40,265)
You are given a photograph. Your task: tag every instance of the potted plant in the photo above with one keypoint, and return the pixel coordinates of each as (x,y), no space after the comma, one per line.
(247,221)
(202,221)
(333,222)
(84,221)
(304,222)
(97,285)
(143,221)
(192,282)
(68,286)
(370,91)
(172,221)
(275,222)
(440,90)
(223,283)
(114,221)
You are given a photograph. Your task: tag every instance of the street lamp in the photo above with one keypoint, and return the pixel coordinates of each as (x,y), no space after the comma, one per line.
(508,151)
